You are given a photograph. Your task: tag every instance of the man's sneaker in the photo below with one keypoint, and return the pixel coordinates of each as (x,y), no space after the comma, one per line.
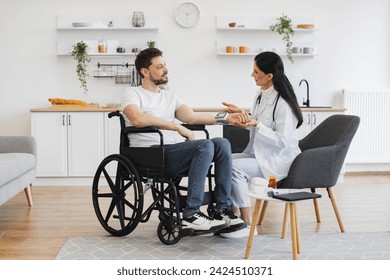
(233,222)
(201,222)
(239,233)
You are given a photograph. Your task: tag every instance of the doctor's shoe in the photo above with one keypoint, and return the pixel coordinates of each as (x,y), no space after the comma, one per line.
(201,222)
(239,233)
(233,222)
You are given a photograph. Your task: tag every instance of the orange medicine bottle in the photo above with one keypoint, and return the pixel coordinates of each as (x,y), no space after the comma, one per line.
(272,182)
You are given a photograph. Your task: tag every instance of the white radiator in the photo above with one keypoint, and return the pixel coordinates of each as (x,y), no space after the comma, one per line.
(372,140)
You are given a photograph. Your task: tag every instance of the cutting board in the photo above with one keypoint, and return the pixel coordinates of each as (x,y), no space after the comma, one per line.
(61,106)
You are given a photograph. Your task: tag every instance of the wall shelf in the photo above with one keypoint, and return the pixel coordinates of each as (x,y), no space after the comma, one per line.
(96,28)
(253,54)
(254,32)
(258,22)
(100,22)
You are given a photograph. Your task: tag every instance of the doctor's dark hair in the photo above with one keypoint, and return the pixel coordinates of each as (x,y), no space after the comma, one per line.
(144,59)
(270,62)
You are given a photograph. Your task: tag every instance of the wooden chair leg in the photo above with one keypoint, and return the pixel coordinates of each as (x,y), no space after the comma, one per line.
(293,232)
(27,191)
(285,221)
(299,248)
(336,210)
(263,209)
(252,230)
(317,210)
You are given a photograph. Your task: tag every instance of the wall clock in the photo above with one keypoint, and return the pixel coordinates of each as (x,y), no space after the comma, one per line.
(187,14)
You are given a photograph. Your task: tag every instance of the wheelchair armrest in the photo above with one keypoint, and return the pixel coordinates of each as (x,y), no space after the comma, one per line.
(147,129)
(116,113)
(194,127)
(197,127)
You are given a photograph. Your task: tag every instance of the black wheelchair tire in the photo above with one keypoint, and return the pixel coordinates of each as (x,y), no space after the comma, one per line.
(121,193)
(169,231)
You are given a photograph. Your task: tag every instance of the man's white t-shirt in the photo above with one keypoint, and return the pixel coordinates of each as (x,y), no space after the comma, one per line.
(162,105)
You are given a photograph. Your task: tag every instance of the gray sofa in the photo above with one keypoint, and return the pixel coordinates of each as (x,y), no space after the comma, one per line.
(17,166)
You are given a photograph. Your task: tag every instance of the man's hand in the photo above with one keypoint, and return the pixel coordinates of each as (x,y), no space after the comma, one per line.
(242,120)
(238,118)
(185,132)
(249,123)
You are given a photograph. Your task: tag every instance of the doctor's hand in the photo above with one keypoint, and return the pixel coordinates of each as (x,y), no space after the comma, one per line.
(238,118)
(249,123)
(185,132)
(231,108)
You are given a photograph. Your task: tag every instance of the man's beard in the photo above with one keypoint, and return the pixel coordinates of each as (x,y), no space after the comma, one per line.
(158,82)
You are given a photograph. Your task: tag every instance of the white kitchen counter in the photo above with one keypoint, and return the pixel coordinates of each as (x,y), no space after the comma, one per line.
(199,109)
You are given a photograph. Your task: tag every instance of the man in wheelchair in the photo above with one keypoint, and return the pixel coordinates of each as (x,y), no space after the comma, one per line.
(151,105)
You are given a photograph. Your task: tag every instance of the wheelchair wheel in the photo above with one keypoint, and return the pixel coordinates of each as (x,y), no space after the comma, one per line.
(168,230)
(117,195)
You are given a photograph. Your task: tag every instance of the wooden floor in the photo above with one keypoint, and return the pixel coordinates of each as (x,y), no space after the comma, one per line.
(61,212)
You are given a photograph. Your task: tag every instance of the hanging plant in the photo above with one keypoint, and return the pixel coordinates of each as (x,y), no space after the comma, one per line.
(79,53)
(284,28)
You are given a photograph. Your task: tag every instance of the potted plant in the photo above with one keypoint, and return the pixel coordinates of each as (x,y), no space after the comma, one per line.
(151,44)
(284,28)
(79,53)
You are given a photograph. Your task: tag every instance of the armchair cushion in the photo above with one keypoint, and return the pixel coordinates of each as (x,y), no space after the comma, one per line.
(17,166)
(18,144)
(314,168)
(12,165)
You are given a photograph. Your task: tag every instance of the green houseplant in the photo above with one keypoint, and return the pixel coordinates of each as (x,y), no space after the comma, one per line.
(79,53)
(284,27)
(151,44)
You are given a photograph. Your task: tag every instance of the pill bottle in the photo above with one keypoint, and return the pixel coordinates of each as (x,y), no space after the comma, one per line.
(272,182)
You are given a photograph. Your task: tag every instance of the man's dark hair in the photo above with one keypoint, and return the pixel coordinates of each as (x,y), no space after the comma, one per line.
(144,59)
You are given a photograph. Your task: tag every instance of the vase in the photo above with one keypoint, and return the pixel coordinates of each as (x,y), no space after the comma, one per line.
(138,19)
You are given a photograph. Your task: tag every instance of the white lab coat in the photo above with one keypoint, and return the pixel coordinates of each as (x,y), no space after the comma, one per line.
(274,149)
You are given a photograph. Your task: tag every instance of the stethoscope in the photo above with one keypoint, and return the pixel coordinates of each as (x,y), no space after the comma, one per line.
(273,124)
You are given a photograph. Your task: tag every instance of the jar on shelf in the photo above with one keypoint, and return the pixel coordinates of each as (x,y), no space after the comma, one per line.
(102,46)
(138,19)
(120,48)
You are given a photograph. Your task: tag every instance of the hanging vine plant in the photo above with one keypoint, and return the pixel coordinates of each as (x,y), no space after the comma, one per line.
(284,28)
(79,53)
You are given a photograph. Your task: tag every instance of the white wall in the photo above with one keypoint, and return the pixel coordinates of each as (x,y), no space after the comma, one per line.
(353,41)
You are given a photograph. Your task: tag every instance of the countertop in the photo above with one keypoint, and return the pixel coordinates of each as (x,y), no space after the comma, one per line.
(201,109)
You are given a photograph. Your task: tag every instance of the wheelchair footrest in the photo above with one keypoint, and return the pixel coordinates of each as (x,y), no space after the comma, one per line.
(192,232)
(187,232)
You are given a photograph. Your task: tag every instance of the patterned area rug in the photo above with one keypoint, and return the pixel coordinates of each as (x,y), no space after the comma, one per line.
(315,246)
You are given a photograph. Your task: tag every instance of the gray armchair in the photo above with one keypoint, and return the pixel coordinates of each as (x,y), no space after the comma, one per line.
(323,154)
(17,166)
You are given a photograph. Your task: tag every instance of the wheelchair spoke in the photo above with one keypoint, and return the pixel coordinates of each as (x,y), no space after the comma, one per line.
(110,210)
(121,212)
(109,195)
(121,190)
(109,181)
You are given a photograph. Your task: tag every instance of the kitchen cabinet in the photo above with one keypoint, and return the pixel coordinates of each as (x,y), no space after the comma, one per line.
(96,27)
(70,144)
(312,118)
(253,32)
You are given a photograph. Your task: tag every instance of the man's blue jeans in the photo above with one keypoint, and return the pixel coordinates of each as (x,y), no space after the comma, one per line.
(195,158)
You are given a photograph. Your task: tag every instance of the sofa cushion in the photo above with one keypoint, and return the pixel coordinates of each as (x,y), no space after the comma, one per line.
(13,165)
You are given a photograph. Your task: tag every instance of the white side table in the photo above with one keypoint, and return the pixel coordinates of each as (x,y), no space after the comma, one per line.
(290,206)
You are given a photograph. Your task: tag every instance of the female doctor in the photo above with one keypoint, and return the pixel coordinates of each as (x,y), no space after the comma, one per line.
(273,119)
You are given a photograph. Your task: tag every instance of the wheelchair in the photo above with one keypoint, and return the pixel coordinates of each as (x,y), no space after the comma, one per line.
(122,180)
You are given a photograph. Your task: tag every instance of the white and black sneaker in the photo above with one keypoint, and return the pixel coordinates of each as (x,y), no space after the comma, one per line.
(233,222)
(200,222)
